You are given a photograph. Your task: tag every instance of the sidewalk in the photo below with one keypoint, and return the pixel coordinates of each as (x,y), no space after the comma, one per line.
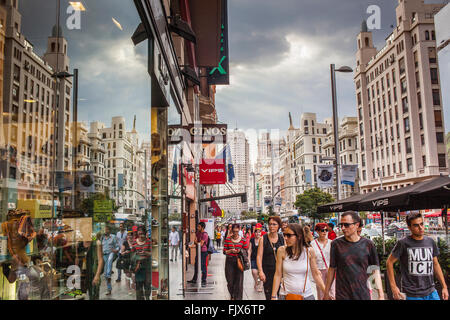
(216,288)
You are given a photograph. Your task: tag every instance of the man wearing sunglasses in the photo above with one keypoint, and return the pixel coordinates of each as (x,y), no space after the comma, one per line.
(350,259)
(418,264)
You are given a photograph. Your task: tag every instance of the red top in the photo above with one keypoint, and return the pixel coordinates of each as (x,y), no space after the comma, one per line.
(141,249)
(229,244)
(331,235)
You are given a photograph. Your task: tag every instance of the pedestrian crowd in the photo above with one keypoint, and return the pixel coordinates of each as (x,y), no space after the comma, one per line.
(288,257)
(131,250)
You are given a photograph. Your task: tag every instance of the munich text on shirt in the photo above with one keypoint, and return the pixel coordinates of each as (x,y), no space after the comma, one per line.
(420,261)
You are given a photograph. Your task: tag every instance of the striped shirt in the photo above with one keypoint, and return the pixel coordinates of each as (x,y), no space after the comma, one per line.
(141,249)
(229,244)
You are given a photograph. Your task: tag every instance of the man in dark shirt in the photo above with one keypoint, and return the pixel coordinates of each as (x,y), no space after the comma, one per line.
(418,264)
(352,258)
(202,239)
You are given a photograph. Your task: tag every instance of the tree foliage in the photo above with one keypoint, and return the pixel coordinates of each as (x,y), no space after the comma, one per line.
(309,200)
(246,215)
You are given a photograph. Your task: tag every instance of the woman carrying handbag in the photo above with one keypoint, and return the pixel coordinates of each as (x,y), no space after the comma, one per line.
(322,247)
(233,273)
(293,264)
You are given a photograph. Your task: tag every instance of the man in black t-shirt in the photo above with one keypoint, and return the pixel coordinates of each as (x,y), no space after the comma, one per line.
(352,258)
(418,264)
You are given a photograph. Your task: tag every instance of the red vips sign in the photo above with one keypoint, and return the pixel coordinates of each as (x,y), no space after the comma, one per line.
(212,171)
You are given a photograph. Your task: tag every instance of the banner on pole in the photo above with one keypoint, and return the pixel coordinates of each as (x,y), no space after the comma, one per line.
(325,176)
(348,174)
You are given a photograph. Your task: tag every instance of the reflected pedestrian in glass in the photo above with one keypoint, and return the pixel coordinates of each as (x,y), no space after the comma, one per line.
(293,264)
(235,277)
(94,266)
(143,267)
(110,248)
(267,251)
(322,247)
(125,253)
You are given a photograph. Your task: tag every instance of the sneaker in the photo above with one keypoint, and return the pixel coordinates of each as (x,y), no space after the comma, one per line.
(130,292)
(171,260)
(118,280)
(192,281)
(203,283)
(108,292)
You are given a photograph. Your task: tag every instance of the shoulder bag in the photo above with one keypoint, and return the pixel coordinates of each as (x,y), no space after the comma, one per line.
(293,296)
(323,257)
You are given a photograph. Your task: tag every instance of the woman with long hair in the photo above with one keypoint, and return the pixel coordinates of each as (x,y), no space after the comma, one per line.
(293,264)
(267,252)
(235,277)
(253,252)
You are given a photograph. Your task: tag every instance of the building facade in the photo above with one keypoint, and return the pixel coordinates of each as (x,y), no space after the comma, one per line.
(399,102)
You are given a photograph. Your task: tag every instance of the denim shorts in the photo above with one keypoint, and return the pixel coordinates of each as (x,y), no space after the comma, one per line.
(432,296)
(253,264)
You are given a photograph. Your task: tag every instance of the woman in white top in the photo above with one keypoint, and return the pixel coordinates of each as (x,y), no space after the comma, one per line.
(294,261)
(322,247)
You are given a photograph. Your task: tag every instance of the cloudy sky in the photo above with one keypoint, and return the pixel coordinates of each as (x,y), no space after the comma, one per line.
(280,54)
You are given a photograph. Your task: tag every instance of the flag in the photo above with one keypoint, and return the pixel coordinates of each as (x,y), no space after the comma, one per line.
(325,176)
(229,162)
(175,165)
(215,209)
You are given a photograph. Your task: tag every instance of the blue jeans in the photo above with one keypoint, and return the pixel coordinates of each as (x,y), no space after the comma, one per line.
(432,296)
(204,256)
(108,259)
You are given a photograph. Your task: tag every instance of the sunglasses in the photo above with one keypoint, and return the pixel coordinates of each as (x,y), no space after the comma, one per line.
(323,230)
(289,235)
(343,224)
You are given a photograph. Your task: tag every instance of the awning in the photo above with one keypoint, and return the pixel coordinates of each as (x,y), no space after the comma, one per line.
(429,194)
(351,203)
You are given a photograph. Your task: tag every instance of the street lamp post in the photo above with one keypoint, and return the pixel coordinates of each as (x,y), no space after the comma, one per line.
(335,121)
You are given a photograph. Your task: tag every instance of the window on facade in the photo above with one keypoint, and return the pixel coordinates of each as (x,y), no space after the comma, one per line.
(442,160)
(434,75)
(438,118)
(427,35)
(406,124)
(409,164)
(401,65)
(436,97)
(405,104)
(408,145)
(439,137)
(432,55)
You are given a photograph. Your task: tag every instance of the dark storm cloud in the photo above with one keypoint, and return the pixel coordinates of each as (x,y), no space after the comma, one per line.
(113,73)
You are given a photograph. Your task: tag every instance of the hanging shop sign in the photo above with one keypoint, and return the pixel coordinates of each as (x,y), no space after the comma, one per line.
(220,73)
(212,171)
(162,64)
(37,208)
(204,133)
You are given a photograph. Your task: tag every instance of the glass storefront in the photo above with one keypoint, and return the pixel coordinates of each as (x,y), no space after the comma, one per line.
(83,156)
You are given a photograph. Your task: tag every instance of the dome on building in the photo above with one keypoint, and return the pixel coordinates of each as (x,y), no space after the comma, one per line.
(55,32)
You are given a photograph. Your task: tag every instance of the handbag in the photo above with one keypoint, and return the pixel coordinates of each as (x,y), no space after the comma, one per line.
(240,264)
(293,296)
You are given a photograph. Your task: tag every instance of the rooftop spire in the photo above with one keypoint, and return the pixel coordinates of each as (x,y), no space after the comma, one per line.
(364,27)
(291,126)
